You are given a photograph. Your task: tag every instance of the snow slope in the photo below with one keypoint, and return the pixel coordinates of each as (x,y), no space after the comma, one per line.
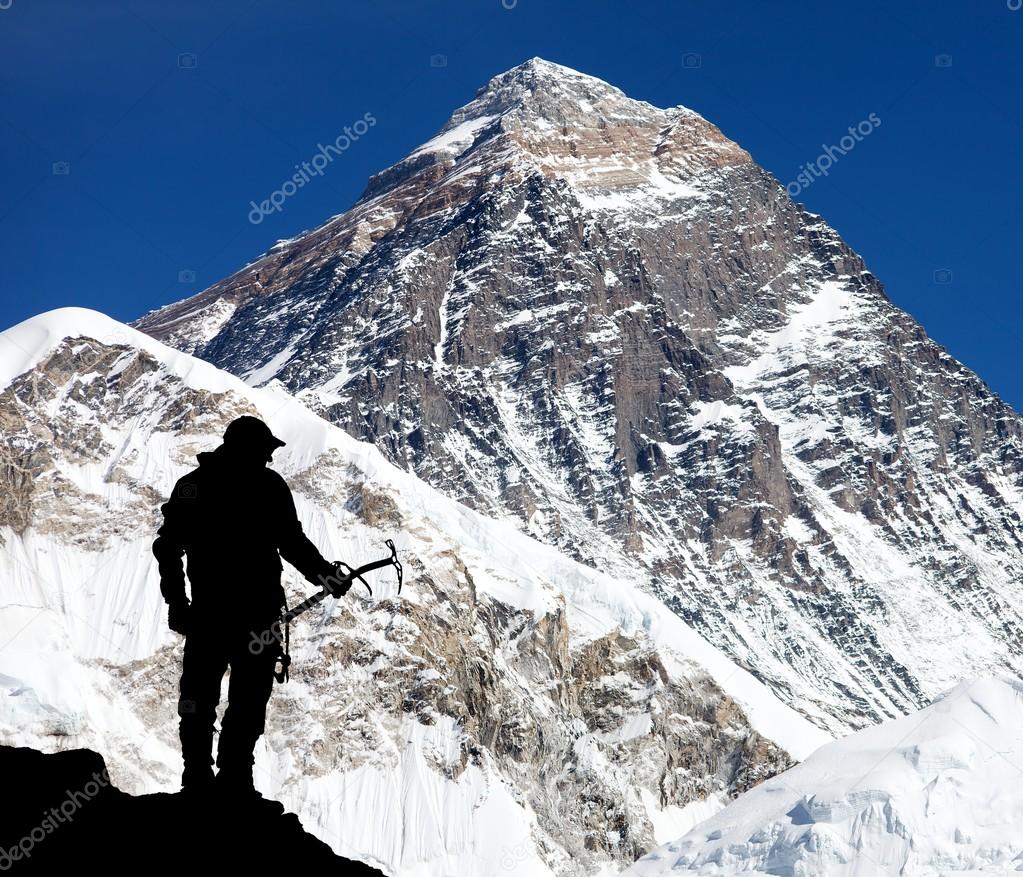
(83,641)
(936,792)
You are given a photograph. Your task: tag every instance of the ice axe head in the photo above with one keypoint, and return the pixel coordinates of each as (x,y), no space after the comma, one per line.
(394,560)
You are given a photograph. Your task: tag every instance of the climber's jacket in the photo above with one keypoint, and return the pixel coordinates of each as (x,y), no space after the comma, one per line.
(234,522)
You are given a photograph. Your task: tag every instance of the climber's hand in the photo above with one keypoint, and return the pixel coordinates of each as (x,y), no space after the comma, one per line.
(338,582)
(178,617)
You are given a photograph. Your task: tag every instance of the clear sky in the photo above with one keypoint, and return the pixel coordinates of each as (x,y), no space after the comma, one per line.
(134,133)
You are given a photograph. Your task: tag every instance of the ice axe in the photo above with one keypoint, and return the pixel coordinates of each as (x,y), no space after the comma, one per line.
(331,586)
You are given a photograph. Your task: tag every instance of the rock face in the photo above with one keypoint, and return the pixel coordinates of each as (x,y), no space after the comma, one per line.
(512,706)
(604,321)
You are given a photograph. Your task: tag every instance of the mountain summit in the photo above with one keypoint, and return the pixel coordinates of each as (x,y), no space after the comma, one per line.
(524,117)
(603,321)
(538,120)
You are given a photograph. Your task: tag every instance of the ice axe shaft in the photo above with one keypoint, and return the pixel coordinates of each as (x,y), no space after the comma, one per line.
(352,575)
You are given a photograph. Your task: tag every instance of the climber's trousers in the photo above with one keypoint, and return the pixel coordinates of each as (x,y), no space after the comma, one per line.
(209,651)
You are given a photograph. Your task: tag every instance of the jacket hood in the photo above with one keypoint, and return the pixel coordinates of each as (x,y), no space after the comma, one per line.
(211,458)
(223,457)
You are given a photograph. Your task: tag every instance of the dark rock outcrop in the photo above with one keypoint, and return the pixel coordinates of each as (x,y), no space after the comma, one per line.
(62,814)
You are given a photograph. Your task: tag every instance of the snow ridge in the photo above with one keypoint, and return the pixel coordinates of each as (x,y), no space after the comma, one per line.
(935,792)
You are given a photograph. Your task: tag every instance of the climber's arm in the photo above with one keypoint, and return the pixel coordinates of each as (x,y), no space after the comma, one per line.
(169,545)
(292,542)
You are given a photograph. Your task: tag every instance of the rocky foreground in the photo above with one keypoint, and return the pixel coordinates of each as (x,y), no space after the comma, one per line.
(62,814)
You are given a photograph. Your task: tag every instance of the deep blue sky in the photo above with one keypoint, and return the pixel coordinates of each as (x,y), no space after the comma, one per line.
(164,159)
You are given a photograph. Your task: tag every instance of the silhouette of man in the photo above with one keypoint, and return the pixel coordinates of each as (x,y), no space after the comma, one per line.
(233,518)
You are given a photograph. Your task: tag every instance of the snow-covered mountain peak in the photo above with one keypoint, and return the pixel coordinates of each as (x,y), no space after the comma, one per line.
(935,792)
(538,124)
(555,93)
(605,322)
(542,118)
(24,345)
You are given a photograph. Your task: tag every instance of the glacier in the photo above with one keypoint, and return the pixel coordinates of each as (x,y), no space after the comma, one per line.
(937,792)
